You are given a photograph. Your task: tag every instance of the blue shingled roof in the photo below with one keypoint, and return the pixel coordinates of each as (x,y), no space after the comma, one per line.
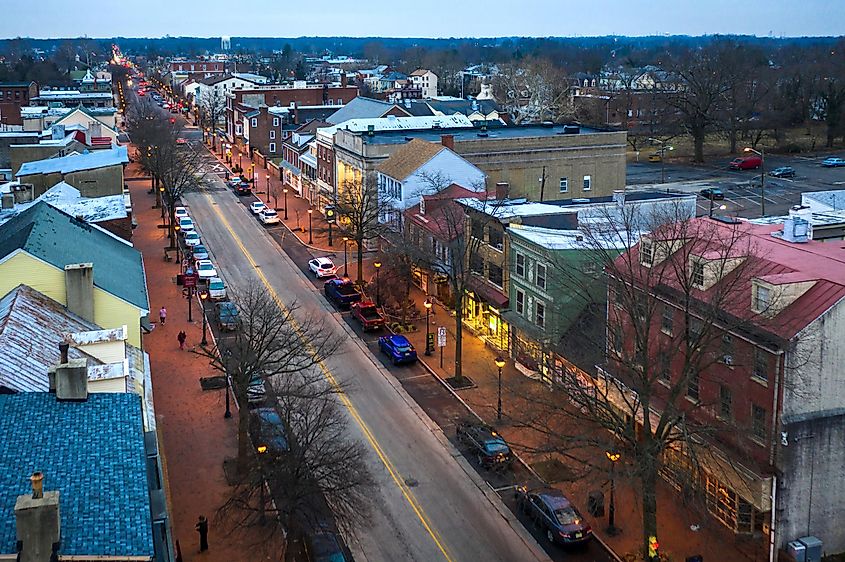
(92,453)
(60,239)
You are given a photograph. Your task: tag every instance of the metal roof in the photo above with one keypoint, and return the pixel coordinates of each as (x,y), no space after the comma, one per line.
(76,162)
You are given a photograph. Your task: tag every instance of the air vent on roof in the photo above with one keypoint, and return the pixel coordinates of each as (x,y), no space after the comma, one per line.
(548,124)
(571,129)
(409,139)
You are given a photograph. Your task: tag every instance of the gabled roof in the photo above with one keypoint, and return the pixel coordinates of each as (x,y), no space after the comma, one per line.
(360,108)
(66,198)
(76,163)
(420,72)
(60,239)
(408,158)
(83,110)
(443,217)
(92,453)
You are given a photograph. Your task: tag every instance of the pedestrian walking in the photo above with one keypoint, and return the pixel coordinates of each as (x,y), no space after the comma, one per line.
(182,337)
(162,315)
(202,529)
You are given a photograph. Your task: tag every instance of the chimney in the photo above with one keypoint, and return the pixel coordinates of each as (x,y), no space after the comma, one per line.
(79,285)
(37,522)
(57,132)
(344,81)
(502,189)
(8,201)
(448,141)
(72,380)
(63,349)
(619,196)
(296,113)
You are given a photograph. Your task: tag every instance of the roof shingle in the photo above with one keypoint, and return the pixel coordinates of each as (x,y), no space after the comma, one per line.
(408,158)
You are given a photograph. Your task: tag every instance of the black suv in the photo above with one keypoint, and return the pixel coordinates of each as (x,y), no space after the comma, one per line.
(490,449)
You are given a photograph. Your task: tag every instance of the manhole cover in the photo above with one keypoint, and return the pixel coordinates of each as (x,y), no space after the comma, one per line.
(411,482)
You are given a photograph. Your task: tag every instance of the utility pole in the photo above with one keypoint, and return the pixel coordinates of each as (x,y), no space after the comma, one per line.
(542,184)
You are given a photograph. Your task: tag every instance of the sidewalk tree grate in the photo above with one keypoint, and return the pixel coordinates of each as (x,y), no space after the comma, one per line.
(463,384)
(212,383)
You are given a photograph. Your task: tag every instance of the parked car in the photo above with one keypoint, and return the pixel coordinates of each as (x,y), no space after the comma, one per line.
(746,162)
(324,546)
(397,348)
(488,446)
(216,289)
(268,430)
(205,269)
(552,511)
(192,238)
(256,207)
(712,193)
(180,212)
(255,391)
(243,188)
(234,181)
(655,157)
(227,316)
(200,252)
(180,140)
(186,225)
(833,162)
(783,172)
(368,314)
(322,267)
(342,292)
(269,216)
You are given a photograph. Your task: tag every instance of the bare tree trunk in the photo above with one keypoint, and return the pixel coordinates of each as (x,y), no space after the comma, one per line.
(648,470)
(360,261)
(698,142)
(243,440)
(459,335)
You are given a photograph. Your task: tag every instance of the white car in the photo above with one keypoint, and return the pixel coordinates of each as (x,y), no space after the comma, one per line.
(180,213)
(186,225)
(192,238)
(269,216)
(256,207)
(205,269)
(216,289)
(322,267)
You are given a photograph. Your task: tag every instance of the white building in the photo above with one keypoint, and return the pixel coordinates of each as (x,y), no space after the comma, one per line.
(426,80)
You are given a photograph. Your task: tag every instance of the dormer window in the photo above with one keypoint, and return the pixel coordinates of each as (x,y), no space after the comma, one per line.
(647,253)
(697,276)
(762,298)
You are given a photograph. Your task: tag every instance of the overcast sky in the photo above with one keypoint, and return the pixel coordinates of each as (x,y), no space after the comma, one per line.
(420,18)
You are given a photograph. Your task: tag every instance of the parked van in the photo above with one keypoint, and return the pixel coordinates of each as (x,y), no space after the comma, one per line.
(746,163)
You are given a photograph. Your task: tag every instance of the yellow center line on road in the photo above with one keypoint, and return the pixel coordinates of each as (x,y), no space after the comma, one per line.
(353,411)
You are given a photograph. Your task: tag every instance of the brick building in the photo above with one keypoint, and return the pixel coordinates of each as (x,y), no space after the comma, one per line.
(13,96)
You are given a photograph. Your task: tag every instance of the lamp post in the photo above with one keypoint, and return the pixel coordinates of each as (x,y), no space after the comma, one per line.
(267,177)
(203,298)
(613,457)
(762,154)
(161,200)
(377,265)
(285,192)
(500,363)
(662,158)
(262,450)
(310,238)
(176,242)
(427,304)
(345,262)
(721,207)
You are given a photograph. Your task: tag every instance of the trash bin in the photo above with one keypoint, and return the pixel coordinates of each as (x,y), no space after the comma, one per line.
(595,503)
(180,279)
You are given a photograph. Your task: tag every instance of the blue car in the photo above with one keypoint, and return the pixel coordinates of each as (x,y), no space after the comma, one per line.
(398,349)
(554,513)
(268,431)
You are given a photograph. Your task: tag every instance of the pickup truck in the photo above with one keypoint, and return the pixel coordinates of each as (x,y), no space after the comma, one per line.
(227,316)
(342,292)
(367,313)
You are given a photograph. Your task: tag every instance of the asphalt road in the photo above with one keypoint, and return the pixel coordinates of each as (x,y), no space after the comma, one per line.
(430,504)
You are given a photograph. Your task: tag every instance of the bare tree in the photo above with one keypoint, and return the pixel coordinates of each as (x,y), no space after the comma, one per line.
(212,106)
(533,90)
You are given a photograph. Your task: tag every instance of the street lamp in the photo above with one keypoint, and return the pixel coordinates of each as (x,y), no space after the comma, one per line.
(203,298)
(662,158)
(762,154)
(377,265)
(310,238)
(500,363)
(613,457)
(427,304)
(161,199)
(267,177)
(285,191)
(345,262)
(721,207)
(176,229)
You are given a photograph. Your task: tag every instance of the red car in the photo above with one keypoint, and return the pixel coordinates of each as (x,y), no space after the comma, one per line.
(746,163)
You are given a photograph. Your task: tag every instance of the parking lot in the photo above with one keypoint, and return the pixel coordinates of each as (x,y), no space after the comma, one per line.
(741,188)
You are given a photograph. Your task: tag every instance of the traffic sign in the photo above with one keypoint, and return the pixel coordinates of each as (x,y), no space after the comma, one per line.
(441,336)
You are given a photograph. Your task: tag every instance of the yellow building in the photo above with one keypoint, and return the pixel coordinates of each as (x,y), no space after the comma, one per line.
(95,274)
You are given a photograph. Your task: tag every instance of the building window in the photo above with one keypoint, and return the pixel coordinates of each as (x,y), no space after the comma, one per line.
(698,274)
(588,183)
(540,315)
(275,121)
(618,294)
(272,148)
(272,134)
(727,350)
(520,302)
(663,364)
(476,264)
(541,276)
(494,274)
(339,101)
(477,230)
(564,185)
(667,319)
(725,402)
(520,265)
(495,238)
(647,252)
(758,422)
(761,365)
(254,122)
(693,387)
(762,298)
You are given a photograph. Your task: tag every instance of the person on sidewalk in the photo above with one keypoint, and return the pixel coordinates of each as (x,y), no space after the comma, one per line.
(182,337)
(202,529)
(162,315)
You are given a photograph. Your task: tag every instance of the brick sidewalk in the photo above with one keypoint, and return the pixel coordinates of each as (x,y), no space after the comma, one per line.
(194,435)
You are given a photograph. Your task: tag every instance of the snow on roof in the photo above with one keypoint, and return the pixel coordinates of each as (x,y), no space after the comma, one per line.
(75,163)
(510,208)
(554,239)
(96,336)
(65,197)
(391,123)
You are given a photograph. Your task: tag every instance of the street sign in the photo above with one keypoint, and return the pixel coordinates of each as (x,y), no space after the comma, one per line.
(190,280)
(441,336)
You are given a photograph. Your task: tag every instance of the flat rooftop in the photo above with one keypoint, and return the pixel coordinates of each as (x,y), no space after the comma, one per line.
(503,132)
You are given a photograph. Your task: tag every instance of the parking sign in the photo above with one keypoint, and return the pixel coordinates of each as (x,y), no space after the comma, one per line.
(441,336)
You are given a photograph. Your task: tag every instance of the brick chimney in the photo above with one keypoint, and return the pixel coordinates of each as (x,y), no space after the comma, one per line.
(448,141)
(79,284)
(37,522)
(344,81)
(72,380)
(502,190)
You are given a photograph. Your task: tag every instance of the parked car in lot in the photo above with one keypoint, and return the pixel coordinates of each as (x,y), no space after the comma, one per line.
(833,162)
(746,163)
(712,193)
(186,225)
(783,172)
(205,269)
(488,446)
(655,157)
(216,289)
(256,207)
(555,514)
(227,316)
(268,430)
(200,252)
(192,238)
(269,216)
(180,212)
(342,292)
(397,348)
(368,314)
(322,267)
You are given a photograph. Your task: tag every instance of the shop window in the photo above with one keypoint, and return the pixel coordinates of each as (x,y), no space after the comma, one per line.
(520,302)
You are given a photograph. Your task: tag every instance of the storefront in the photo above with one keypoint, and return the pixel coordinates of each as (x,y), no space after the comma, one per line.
(482,314)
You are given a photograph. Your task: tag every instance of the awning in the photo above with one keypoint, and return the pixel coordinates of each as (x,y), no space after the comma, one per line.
(290,167)
(488,293)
